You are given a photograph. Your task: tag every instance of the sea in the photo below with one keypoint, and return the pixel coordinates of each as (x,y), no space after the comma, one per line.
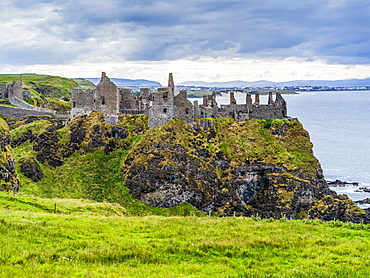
(339,126)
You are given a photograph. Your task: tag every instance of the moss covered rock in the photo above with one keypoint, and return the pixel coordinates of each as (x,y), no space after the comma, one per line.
(8,176)
(265,168)
(258,167)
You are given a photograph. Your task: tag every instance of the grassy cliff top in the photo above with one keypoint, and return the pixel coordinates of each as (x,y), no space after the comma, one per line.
(45,85)
(45,89)
(84,83)
(273,142)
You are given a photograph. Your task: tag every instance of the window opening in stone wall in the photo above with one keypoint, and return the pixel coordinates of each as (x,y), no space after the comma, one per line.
(73,104)
(165,96)
(165,110)
(102,100)
(186,110)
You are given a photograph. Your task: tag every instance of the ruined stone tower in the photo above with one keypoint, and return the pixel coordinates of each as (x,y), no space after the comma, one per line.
(163,107)
(82,102)
(106,99)
(171,84)
(102,99)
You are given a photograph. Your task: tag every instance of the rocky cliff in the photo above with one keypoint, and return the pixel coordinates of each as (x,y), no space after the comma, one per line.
(8,176)
(260,167)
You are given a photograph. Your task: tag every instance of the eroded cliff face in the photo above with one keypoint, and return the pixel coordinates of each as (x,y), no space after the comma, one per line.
(8,176)
(263,168)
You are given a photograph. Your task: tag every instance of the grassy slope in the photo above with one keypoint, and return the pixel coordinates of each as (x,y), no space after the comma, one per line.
(85,84)
(94,176)
(86,244)
(56,86)
(45,88)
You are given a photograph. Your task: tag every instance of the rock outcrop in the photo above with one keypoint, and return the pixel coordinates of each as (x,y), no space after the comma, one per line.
(265,168)
(8,176)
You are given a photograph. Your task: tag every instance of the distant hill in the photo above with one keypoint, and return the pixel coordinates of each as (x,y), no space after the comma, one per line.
(263,83)
(45,89)
(42,85)
(84,84)
(120,82)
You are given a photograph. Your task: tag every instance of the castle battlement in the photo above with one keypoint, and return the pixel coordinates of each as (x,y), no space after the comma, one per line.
(163,105)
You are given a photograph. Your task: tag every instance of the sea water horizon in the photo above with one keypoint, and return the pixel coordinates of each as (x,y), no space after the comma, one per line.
(339,126)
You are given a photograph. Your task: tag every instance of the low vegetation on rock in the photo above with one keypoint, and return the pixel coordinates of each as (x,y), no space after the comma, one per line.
(262,168)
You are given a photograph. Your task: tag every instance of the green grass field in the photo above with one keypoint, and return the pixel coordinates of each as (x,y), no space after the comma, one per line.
(45,89)
(80,238)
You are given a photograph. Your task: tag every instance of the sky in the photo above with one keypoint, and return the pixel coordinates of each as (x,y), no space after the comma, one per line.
(196,40)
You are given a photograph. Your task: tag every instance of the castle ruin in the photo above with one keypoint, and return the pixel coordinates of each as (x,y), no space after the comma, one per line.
(15,94)
(163,105)
(14,90)
(110,100)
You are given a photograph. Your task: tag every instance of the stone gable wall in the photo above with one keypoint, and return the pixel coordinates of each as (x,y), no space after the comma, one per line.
(127,99)
(82,102)
(106,96)
(185,109)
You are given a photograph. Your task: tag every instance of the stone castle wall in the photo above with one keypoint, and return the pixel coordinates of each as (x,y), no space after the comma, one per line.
(82,102)
(185,109)
(161,112)
(163,108)
(106,96)
(108,99)
(15,112)
(14,89)
(15,94)
(163,105)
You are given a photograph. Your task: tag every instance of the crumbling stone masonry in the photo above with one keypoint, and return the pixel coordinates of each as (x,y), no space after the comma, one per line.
(167,106)
(14,90)
(103,99)
(109,100)
(15,94)
(163,105)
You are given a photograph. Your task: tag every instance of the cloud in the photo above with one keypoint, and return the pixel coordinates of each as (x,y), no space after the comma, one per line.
(65,31)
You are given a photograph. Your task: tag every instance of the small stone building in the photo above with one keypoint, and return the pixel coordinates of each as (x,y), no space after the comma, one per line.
(14,89)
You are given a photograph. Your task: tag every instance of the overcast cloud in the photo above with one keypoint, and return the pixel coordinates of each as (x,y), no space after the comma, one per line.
(62,32)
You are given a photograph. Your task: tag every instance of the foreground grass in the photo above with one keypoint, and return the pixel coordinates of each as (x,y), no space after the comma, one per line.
(44,244)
